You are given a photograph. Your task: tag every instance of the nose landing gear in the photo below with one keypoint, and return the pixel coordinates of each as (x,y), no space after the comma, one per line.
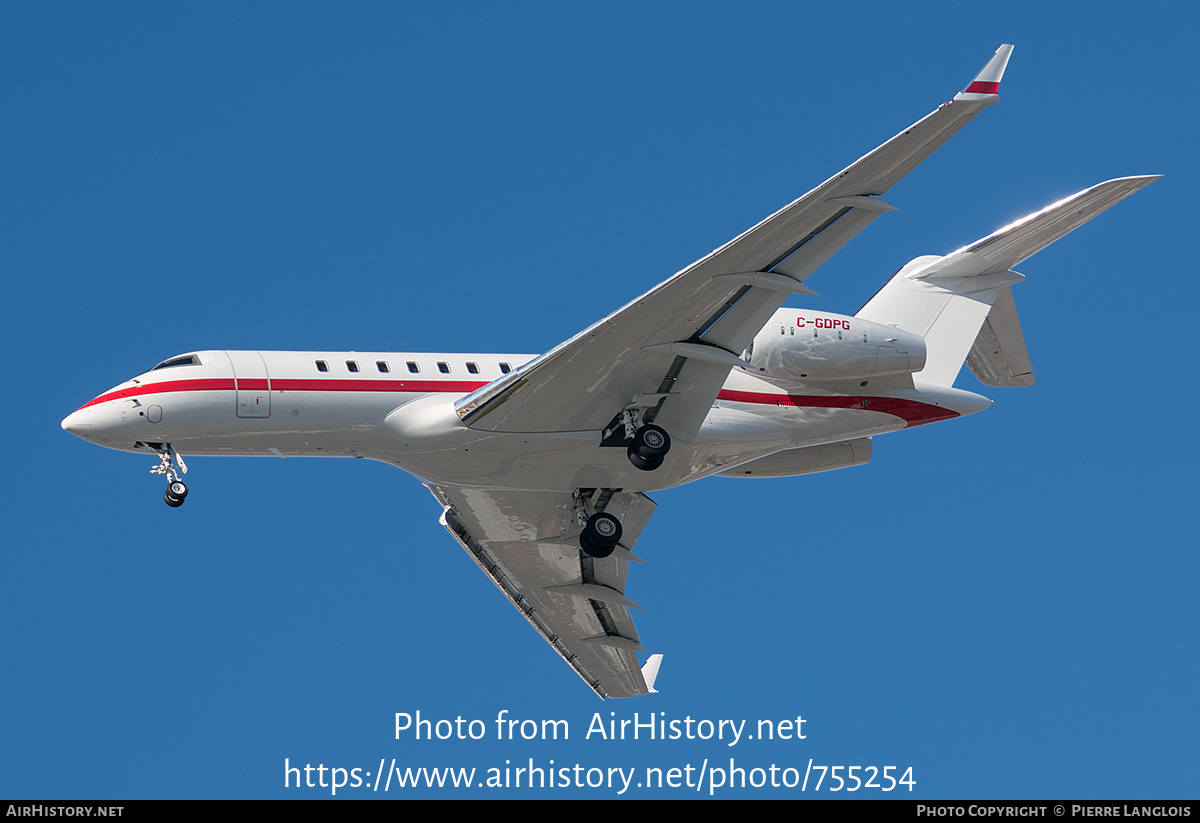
(171,464)
(175,493)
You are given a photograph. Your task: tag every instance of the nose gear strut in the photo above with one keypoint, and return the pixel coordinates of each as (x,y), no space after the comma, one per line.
(171,464)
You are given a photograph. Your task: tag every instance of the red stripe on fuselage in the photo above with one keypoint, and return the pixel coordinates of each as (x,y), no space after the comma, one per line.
(912,412)
(215,384)
(414,386)
(226,384)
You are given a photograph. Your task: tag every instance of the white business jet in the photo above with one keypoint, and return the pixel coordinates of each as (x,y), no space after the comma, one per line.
(542,463)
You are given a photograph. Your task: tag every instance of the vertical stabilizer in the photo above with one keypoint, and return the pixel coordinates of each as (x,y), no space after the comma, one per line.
(999,356)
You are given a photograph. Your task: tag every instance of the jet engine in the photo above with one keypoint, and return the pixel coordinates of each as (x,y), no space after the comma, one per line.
(805,345)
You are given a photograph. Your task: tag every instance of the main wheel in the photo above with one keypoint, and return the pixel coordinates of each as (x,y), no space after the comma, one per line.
(177,489)
(646,464)
(601,535)
(650,445)
(651,441)
(171,500)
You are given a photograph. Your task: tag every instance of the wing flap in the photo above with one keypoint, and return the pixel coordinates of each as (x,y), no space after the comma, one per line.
(527,544)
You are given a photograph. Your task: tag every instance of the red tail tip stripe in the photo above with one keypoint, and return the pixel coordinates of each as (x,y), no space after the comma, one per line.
(983,87)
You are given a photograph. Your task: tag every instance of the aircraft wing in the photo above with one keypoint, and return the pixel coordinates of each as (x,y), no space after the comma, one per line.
(528,544)
(670,350)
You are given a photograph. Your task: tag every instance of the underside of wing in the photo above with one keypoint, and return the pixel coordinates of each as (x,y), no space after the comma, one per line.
(667,353)
(528,544)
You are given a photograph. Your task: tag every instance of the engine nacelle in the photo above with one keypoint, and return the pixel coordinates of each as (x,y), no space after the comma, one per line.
(808,345)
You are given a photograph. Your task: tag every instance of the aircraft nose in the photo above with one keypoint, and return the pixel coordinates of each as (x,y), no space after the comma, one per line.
(78,423)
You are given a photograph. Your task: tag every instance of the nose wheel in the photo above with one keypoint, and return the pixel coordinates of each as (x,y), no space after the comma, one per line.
(175,493)
(170,463)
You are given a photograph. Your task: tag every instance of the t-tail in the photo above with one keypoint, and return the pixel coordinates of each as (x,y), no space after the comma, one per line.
(962,303)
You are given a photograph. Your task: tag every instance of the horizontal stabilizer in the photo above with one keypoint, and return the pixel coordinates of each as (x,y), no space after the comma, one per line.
(953,302)
(1007,247)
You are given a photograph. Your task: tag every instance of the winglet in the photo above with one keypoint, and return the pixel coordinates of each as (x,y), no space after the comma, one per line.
(987,82)
(650,672)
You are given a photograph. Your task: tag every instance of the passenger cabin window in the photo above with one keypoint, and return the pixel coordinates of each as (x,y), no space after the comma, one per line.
(505,368)
(187,360)
(322,365)
(444,368)
(413,367)
(352,365)
(473,368)
(382,366)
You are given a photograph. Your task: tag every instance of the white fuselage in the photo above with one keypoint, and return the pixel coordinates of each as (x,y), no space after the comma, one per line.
(399,408)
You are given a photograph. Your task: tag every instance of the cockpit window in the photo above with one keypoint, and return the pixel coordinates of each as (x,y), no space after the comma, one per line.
(186,360)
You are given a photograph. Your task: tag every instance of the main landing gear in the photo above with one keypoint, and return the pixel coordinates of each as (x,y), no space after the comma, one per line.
(171,464)
(648,443)
(600,535)
(649,447)
(601,530)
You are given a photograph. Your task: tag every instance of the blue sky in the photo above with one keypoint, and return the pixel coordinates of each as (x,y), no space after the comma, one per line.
(1005,603)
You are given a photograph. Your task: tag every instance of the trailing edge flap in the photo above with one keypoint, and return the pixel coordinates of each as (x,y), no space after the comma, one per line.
(528,544)
(999,356)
